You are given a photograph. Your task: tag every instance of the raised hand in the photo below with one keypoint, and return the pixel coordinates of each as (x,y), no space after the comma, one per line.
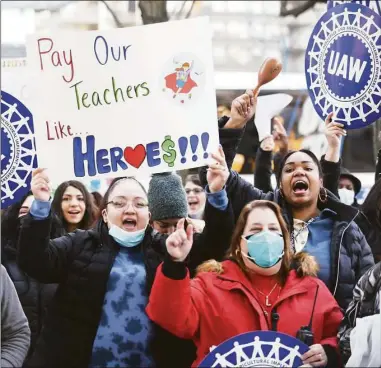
(180,242)
(40,185)
(242,110)
(334,133)
(280,135)
(268,143)
(217,173)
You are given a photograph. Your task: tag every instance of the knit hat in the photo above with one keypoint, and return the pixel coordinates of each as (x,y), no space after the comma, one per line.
(166,197)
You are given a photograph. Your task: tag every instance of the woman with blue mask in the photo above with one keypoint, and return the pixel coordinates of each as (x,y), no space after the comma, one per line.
(105,276)
(318,222)
(243,293)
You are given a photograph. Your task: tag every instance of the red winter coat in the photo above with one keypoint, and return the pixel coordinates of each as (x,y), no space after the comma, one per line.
(213,307)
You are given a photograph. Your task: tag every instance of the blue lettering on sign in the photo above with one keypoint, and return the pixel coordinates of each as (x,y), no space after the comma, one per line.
(348,67)
(343,65)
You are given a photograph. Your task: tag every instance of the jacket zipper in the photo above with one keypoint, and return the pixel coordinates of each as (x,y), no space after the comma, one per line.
(338,258)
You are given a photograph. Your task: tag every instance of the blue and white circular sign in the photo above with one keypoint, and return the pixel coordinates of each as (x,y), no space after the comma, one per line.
(343,65)
(18,150)
(374,5)
(257,349)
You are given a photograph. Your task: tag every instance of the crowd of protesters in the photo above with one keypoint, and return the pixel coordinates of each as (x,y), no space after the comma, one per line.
(155,278)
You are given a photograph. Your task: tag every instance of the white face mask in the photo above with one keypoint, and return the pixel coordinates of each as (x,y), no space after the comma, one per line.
(126,238)
(347,196)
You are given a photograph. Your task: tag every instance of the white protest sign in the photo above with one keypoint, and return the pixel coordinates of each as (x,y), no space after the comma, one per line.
(126,101)
(267,107)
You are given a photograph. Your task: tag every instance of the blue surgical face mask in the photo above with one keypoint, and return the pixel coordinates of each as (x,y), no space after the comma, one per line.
(126,238)
(265,249)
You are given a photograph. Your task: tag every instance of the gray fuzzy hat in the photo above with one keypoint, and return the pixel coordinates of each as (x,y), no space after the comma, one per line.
(166,197)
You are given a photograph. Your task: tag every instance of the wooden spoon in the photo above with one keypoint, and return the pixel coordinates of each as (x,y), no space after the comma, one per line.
(269,70)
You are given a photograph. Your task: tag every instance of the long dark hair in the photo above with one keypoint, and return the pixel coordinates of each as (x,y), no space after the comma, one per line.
(372,205)
(91,211)
(97,197)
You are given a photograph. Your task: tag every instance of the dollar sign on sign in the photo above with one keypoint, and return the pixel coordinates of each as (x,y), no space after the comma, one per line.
(167,147)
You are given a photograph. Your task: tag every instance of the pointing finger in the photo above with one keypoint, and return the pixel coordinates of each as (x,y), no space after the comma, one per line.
(190,233)
(180,224)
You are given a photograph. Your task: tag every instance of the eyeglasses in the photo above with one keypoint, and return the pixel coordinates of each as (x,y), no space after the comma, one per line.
(121,202)
(195,191)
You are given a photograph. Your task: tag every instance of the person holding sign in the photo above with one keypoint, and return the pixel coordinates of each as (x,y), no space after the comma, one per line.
(105,275)
(318,223)
(254,290)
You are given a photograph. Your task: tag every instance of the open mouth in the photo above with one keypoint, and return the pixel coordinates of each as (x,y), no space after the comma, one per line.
(300,187)
(74,212)
(129,224)
(193,204)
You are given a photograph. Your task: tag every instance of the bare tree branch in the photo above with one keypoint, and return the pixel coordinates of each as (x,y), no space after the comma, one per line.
(118,23)
(190,10)
(296,11)
(153,11)
(178,14)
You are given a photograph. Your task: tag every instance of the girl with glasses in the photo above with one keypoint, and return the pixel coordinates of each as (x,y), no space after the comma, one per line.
(105,276)
(196,197)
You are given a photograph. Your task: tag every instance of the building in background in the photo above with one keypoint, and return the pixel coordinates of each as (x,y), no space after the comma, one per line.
(244,34)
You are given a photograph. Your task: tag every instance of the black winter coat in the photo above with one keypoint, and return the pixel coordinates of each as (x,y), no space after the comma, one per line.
(366,302)
(80,263)
(34,296)
(350,252)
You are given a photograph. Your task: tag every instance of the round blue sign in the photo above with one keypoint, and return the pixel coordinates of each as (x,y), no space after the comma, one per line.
(18,150)
(374,5)
(257,349)
(343,65)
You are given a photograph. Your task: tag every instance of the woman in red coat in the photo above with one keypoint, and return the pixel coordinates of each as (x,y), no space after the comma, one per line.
(241,294)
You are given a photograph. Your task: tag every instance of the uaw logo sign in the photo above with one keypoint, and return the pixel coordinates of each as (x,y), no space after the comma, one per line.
(343,65)
(257,349)
(375,5)
(18,151)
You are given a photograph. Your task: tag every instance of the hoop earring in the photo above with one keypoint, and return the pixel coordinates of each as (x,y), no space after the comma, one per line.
(323,197)
(281,193)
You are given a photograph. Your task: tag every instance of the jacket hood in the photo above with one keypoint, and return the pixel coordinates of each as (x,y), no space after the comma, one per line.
(303,264)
